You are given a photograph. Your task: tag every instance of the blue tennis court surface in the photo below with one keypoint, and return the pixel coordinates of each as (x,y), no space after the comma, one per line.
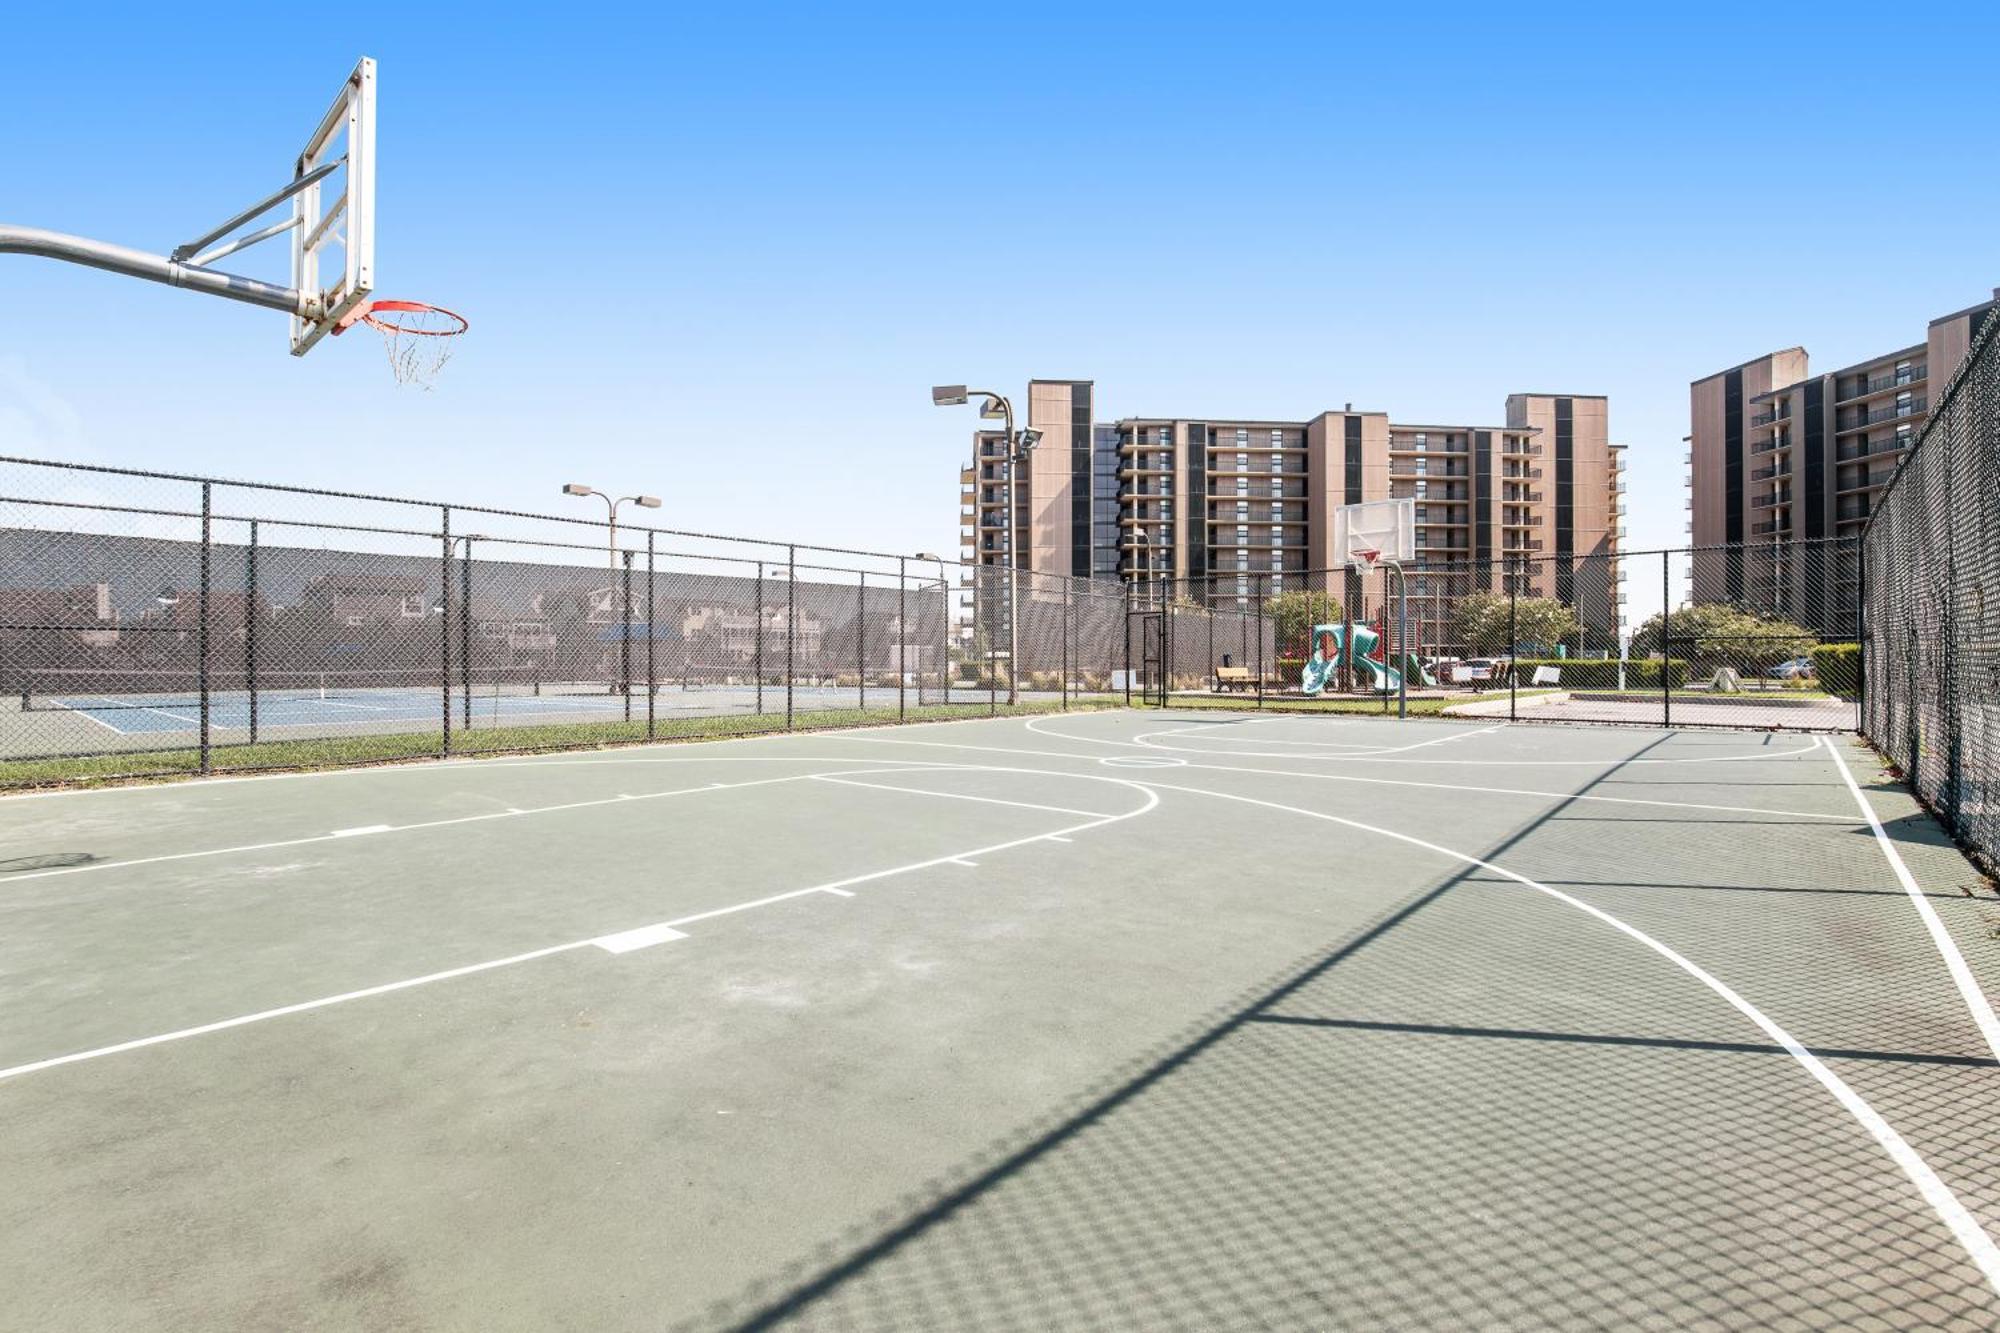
(134,715)
(130,717)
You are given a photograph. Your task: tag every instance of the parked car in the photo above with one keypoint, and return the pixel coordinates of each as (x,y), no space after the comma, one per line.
(1799,668)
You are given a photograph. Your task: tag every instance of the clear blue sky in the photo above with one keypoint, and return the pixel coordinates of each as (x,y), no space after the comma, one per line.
(721,253)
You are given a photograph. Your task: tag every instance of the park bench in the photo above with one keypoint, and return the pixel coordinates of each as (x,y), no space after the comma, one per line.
(1233,678)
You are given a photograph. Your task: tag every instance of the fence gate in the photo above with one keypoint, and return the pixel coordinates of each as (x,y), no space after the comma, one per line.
(1148,631)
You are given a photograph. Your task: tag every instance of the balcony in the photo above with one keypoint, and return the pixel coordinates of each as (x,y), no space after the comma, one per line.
(1521,449)
(1404,468)
(1521,521)
(1766,529)
(1894,412)
(1522,474)
(1899,380)
(1775,470)
(1767,501)
(1532,544)
(1522,497)
(1224,473)
(1867,481)
(1869,449)
(1766,446)
(1855,508)
(1766,418)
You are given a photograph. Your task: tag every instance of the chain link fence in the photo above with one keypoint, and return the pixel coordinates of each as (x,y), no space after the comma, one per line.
(152,623)
(1932,595)
(1529,638)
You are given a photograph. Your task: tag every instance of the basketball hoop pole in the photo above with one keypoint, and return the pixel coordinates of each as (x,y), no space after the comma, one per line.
(154,268)
(1402,638)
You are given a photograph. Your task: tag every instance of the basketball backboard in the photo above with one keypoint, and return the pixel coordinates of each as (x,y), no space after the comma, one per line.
(333,217)
(1375,531)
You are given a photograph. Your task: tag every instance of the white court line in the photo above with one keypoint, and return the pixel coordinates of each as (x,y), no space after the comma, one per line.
(1365,750)
(960,796)
(420,765)
(1462,763)
(304,1006)
(1975,999)
(1978,1245)
(85,712)
(1365,781)
(645,937)
(838,888)
(484,817)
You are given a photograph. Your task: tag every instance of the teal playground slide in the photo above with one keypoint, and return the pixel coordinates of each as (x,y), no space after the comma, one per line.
(1326,655)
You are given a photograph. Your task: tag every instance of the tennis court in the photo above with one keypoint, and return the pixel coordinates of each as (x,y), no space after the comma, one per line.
(1139,1019)
(371,709)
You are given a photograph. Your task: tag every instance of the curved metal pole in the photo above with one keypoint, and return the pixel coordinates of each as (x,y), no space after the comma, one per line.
(1013,559)
(154,268)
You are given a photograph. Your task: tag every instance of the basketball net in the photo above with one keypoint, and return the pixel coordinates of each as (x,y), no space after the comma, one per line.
(1366,558)
(417,337)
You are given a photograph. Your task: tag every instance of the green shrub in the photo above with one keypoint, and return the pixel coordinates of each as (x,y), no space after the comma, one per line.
(1837,666)
(1599,674)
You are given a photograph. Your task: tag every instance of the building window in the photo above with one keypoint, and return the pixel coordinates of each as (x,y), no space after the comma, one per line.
(1243,486)
(1242,438)
(1903,373)
(1277,536)
(1242,509)
(1422,442)
(1421,485)
(1242,462)
(1277,439)
(413,606)
(1903,403)
(1242,536)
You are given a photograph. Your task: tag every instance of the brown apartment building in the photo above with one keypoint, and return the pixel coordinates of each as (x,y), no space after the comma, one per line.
(1245,506)
(1780,457)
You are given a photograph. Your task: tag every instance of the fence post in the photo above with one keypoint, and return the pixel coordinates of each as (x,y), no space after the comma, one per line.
(1513,640)
(1860,633)
(1062,680)
(653,638)
(465,635)
(993,646)
(444,623)
(861,641)
(201,610)
(625,631)
(250,626)
(1666,642)
(1128,643)
(902,639)
(791,624)
(757,642)
(1260,643)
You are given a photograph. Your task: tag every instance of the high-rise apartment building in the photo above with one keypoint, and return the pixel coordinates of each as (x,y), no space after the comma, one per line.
(1245,506)
(1779,456)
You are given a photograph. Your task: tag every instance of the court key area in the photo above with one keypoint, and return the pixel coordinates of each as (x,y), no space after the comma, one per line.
(1127,1019)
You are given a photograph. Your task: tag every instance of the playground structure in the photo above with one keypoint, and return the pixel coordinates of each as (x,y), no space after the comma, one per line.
(1360,649)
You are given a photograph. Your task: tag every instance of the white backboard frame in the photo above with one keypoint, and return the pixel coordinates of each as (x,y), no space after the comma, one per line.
(1385,526)
(348,221)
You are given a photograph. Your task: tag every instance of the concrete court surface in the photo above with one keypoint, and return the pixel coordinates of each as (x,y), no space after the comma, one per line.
(1117,1020)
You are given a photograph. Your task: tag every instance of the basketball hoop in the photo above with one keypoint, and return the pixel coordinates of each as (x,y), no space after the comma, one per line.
(1366,558)
(416,336)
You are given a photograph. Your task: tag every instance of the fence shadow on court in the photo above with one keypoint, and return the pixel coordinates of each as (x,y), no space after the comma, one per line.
(1304,1157)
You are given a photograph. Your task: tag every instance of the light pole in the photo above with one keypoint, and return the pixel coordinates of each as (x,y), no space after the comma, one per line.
(1017,450)
(643,501)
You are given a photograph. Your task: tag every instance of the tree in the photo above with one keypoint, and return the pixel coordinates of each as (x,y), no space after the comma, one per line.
(1704,626)
(1481,623)
(1294,613)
